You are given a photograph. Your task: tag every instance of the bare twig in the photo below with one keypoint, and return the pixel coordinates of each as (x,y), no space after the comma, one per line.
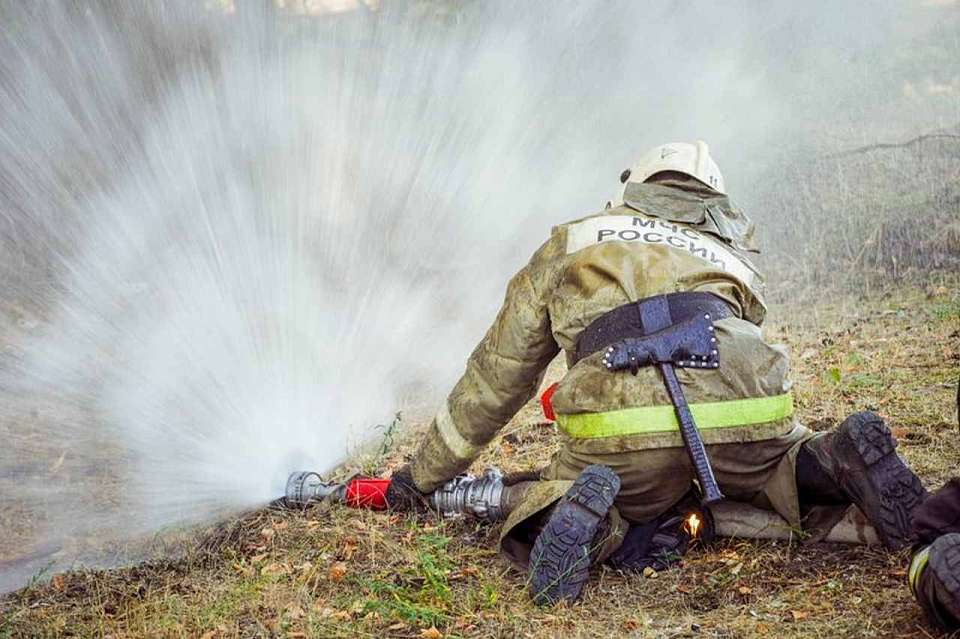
(891,145)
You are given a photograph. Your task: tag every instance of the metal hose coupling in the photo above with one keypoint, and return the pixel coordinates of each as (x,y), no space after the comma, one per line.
(484,497)
(481,497)
(306,487)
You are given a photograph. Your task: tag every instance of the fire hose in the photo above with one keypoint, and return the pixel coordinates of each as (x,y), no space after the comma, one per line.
(486,498)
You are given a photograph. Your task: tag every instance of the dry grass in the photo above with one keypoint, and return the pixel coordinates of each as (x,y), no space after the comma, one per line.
(345,573)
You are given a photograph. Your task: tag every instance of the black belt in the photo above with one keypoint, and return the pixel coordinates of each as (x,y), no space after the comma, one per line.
(625,321)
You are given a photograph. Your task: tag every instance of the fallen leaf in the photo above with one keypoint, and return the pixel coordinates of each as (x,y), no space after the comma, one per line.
(295,612)
(258,558)
(57,464)
(650,573)
(275,568)
(397,626)
(57,583)
(431,633)
(799,615)
(268,533)
(463,573)
(243,569)
(360,524)
(281,525)
(349,547)
(736,569)
(899,432)
(210,634)
(463,624)
(337,571)
(744,590)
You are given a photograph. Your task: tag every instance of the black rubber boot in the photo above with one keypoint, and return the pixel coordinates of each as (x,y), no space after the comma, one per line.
(872,475)
(564,551)
(935,581)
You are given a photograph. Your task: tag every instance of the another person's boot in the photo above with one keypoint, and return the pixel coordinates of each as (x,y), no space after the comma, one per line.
(935,581)
(859,463)
(567,547)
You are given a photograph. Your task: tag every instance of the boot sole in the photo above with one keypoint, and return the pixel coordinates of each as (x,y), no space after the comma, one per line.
(560,559)
(898,488)
(944,560)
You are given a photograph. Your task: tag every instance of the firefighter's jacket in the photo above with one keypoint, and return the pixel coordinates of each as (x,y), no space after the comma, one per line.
(661,239)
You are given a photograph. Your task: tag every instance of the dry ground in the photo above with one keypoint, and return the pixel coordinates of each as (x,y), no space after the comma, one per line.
(345,573)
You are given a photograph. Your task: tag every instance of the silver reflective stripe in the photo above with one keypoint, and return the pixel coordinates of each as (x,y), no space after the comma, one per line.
(641,229)
(456,442)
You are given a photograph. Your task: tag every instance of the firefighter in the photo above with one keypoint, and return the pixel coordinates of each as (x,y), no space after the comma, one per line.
(934,573)
(673,245)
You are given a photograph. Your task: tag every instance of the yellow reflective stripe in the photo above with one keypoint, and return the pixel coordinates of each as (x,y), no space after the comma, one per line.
(917,564)
(662,419)
(455,442)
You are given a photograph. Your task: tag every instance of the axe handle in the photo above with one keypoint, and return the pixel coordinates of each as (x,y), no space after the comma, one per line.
(691,437)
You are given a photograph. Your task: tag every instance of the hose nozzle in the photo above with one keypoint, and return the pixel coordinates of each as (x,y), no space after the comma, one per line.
(306,487)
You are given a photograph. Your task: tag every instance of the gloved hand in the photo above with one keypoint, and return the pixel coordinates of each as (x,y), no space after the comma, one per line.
(402,494)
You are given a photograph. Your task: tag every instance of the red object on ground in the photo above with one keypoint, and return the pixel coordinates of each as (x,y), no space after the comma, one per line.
(546,401)
(367,492)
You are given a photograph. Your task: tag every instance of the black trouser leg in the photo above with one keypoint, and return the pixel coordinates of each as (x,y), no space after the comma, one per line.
(816,484)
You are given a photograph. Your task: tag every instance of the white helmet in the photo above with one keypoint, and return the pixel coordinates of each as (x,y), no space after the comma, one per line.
(690,159)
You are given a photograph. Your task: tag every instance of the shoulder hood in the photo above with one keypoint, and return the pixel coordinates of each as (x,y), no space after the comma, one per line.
(713,214)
